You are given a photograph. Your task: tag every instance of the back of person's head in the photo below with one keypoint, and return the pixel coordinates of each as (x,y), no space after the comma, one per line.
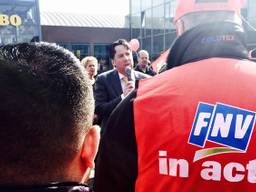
(190,13)
(112,50)
(46,110)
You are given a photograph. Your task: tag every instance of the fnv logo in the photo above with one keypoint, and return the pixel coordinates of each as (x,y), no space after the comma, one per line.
(222,124)
(228,126)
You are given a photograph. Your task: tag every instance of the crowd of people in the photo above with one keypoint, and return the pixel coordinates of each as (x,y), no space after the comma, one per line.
(190,128)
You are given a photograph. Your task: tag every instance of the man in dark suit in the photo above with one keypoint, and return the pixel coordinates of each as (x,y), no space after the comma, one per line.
(113,86)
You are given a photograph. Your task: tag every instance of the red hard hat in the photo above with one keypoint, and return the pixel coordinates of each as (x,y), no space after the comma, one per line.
(189,6)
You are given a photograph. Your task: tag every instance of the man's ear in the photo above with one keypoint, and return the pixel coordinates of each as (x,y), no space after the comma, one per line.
(90,146)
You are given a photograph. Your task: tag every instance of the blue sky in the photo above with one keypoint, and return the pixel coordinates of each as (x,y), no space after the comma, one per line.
(112,7)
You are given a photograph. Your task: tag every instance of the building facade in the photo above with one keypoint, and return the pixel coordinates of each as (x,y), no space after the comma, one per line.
(151,22)
(84,34)
(19,21)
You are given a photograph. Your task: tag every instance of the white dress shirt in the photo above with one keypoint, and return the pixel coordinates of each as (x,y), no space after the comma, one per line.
(123,82)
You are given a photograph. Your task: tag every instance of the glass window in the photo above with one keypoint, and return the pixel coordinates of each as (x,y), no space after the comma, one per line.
(158,19)
(169,37)
(251,13)
(65,45)
(157,2)
(145,4)
(135,24)
(147,23)
(173,4)
(168,18)
(135,6)
(80,50)
(146,43)
(101,51)
(135,33)
(19,21)
(158,45)
(136,20)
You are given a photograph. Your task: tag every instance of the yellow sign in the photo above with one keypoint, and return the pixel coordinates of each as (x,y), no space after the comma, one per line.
(14,20)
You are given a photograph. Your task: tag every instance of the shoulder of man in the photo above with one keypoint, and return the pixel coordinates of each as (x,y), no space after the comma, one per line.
(106,74)
(151,71)
(140,75)
(136,67)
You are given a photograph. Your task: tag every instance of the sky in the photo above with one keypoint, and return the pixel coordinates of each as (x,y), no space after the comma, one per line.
(97,7)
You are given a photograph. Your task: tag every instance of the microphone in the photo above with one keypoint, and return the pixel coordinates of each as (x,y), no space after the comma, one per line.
(128,72)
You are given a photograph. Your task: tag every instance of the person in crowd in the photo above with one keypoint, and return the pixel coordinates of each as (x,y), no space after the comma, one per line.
(114,85)
(90,64)
(191,128)
(47,140)
(143,63)
(103,65)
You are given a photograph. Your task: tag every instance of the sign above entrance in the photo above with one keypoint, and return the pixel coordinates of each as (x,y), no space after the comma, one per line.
(14,20)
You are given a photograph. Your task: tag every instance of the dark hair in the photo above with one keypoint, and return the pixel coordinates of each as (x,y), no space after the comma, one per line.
(46,107)
(112,50)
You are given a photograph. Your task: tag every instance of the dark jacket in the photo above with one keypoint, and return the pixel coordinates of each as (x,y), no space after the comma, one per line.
(108,91)
(149,71)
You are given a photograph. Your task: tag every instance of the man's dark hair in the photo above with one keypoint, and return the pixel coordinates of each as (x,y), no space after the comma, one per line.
(46,108)
(112,50)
